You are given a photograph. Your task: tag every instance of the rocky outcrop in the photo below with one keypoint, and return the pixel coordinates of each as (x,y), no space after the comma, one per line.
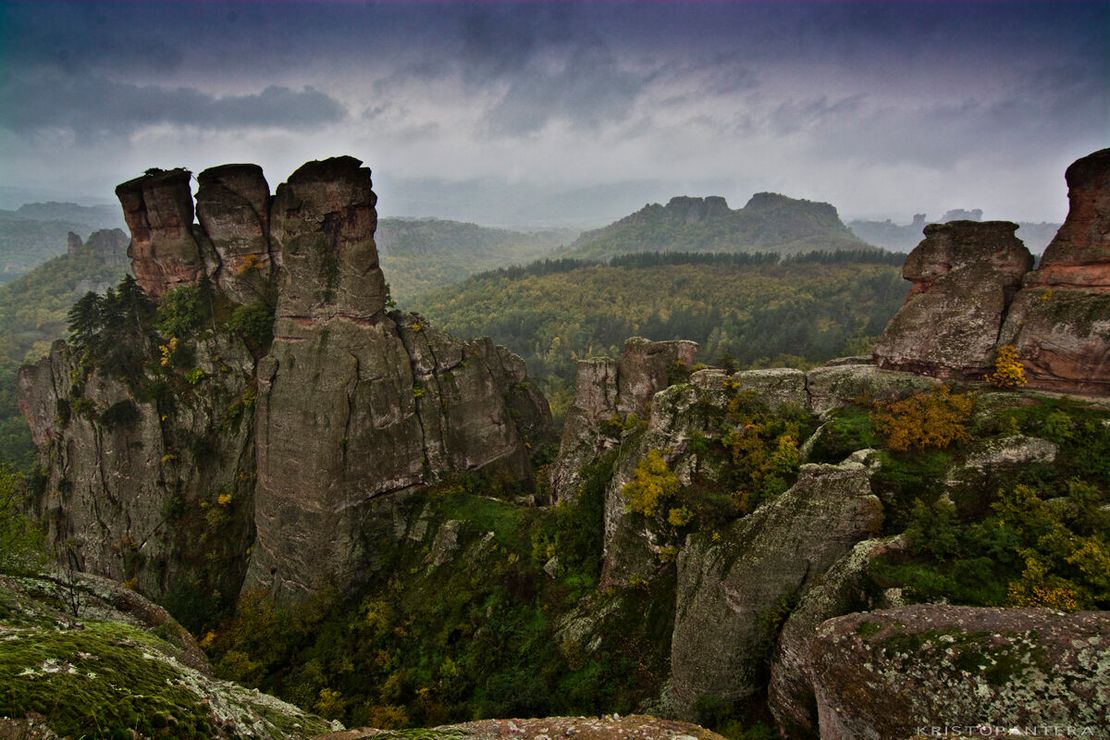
(156,478)
(632,727)
(964,275)
(158,209)
(837,592)
(607,392)
(355,403)
(890,673)
(233,207)
(1060,321)
(733,591)
(73,244)
(139,673)
(109,246)
(973,293)
(145,488)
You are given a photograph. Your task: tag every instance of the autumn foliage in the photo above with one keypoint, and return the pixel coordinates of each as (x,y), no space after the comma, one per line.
(1008,370)
(927,419)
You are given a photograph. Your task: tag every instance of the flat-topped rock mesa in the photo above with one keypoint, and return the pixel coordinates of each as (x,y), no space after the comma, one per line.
(974,293)
(302,448)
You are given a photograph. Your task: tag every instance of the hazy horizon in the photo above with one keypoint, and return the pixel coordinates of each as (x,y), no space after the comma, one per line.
(532,114)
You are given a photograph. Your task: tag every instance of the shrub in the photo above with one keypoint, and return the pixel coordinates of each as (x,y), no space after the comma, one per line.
(254,323)
(22,546)
(1008,370)
(930,419)
(652,482)
(120,414)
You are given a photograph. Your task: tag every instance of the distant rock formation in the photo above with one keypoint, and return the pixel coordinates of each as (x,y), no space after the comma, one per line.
(73,244)
(294,454)
(964,275)
(973,293)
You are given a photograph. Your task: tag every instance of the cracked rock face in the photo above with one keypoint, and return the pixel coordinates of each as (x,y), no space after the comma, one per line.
(233,207)
(964,275)
(887,673)
(732,592)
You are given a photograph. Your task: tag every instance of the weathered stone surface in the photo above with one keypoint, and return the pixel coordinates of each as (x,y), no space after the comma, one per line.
(127,495)
(607,394)
(645,368)
(1007,453)
(1079,256)
(832,387)
(1060,321)
(631,727)
(780,386)
(109,246)
(885,674)
(839,591)
(233,207)
(73,244)
(964,275)
(355,404)
(322,224)
(1062,338)
(731,591)
(585,433)
(158,209)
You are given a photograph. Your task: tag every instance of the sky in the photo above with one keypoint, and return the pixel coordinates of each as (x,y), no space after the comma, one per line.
(567,113)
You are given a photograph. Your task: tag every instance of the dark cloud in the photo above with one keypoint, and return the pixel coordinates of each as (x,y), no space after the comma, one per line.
(92,106)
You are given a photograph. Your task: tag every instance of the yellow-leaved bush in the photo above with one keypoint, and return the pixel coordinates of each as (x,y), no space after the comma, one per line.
(925,419)
(651,483)
(1008,370)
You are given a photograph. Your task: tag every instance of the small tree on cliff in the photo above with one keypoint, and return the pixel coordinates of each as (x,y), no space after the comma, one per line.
(1008,370)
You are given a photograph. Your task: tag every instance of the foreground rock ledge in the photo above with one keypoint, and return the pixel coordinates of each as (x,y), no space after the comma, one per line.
(582,728)
(887,673)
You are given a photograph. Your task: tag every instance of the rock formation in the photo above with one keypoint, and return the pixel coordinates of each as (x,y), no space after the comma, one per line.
(606,393)
(973,293)
(109,246)
(158,209)
(351,403)
(886,674)
(1060,321)
(73,244)
(732,592)
(964,275)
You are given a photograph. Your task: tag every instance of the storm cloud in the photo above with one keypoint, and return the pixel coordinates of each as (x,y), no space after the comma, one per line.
(884,109)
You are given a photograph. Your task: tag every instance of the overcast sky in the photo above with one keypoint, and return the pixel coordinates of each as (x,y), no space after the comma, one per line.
(561,112)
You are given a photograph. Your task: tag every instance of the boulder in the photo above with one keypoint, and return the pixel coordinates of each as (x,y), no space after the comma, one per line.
(964,275)
(832,387)
(839,591)
(733,591)
(645,368)
(900,672)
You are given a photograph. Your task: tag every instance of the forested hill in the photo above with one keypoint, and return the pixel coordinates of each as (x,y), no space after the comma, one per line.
(768,223)
(33,310)
(35,232)
(421,254)
(752,308)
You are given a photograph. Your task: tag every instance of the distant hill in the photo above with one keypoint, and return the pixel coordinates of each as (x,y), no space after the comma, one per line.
(418,255)
(35,232)
(33,309)
(768,223)
(904,237)
(750,307)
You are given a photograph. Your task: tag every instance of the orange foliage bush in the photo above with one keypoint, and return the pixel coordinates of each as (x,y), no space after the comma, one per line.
(923,420)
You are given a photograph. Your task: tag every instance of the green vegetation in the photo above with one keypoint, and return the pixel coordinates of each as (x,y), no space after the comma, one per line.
(33,310)
(22,546)
(745,310)
(419,255)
